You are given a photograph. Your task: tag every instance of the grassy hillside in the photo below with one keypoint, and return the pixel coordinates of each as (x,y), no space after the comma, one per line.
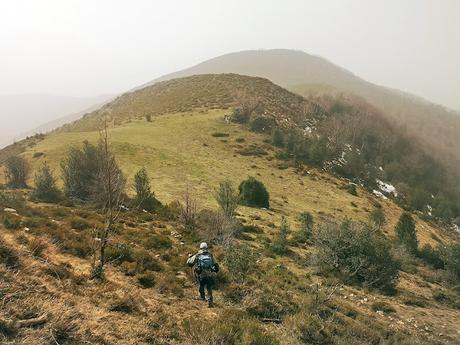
(434,125)
(46,275)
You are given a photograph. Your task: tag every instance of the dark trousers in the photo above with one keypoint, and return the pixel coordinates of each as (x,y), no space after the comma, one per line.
(206,283)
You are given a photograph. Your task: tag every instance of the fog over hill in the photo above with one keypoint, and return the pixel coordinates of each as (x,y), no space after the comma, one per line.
(27,114)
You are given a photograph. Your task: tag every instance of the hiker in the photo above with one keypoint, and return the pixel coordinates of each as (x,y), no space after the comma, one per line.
(204,267)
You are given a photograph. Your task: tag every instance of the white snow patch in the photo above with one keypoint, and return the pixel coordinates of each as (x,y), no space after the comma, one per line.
(380,168)
(430,210)
(456,228)
(379,194)
(387,187)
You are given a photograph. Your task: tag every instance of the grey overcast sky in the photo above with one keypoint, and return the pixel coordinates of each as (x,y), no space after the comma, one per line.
(89,47)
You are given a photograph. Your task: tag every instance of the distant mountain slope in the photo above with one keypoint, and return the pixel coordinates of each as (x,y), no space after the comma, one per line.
(24,115)
(436,126)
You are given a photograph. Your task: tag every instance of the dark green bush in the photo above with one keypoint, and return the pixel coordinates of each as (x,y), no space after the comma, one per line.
(253,193)
(280,244)
(305,232)
(451,257)
(45,185)
(261,124)
(406,233)
(431,256)
(145,198)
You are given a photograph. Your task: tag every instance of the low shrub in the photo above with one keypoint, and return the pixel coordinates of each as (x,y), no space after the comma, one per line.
(126,304)
(146,280)
(220,135)
(383,306)
(145,261)
(169,283)
(270,304)
(156,242)
(12,222)
(358,254)
(37,247)
(79,223)
(240,260)
(8,256)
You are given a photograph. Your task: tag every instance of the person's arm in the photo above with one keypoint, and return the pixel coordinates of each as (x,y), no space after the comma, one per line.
(191,260)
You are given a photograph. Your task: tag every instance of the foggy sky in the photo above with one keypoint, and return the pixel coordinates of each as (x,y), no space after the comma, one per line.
(89,47)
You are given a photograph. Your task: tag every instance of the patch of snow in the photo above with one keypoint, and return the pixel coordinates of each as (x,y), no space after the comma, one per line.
(379,194)
(430,210)
(380,168)
(456,228)
(387,187)
(10,210)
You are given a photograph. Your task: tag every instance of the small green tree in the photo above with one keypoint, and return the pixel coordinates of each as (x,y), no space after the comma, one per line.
(406,233)
(306,228)
(451,257)
(227,197)
(16,171)
(277,137)
(79,169)
(279,246)
(145,198)
(45,185)
(377,217)
(253,193)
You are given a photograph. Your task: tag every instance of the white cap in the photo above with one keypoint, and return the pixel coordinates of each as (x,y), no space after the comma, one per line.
(203,245)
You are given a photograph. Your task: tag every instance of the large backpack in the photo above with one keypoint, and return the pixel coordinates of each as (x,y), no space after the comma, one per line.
(204,264)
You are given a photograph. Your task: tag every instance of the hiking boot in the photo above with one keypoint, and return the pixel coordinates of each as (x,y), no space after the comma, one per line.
(210,304)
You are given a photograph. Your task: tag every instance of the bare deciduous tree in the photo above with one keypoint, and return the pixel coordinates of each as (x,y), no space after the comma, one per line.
(189,210)
(110,188)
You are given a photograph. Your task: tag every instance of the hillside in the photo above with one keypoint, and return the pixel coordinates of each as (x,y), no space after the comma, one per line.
(434,125)
(184,133)
(348,135)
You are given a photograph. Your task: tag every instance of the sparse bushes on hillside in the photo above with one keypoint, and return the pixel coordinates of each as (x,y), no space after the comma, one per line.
(377,217)
(253,193)
(305,232)
(277,137)
(145,198)
(280,244)
(45,185)
(451,257)
(431,256)
(11,199)
(406,234)
(261,124)
(357,254)
(16,172)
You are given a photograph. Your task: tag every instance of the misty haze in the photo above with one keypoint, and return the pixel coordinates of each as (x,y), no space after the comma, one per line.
(230,172)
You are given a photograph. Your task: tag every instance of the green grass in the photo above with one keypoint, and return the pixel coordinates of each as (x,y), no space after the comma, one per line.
(179,150)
